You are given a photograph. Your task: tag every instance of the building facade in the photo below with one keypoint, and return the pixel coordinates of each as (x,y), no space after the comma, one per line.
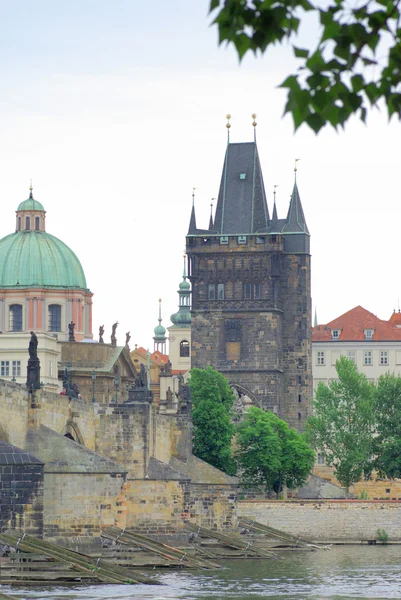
(251,297)
(374,345)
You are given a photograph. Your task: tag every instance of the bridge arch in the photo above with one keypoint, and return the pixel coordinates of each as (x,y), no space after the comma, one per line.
(72,431)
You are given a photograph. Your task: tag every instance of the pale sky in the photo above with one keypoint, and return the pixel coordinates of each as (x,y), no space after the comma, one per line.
(116,110)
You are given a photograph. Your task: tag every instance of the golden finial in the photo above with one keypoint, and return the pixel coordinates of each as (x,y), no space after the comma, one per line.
(228,125)
(295,167)
(274,191)
(160,299)
(30,190)
(254,119)
(193,196)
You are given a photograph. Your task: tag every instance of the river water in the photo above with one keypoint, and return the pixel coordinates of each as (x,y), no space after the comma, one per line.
(342,573)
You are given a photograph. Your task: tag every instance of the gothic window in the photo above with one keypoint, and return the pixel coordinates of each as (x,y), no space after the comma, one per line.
(220,291)
(212,291)
(247,291)
(27,222)
(256,290)
(184,348)
(37,222)
(15,317)
(54,317)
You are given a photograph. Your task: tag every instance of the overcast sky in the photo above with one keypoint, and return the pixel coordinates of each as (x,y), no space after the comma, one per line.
(116,110)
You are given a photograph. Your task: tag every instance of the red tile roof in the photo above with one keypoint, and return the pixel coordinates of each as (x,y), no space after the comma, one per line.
(159,357)
(395,318)
(352,325)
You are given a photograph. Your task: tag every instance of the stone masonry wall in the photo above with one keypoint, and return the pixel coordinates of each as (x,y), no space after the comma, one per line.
(212,506)
(328,521)
(21,498)
(155,506)
(78,504)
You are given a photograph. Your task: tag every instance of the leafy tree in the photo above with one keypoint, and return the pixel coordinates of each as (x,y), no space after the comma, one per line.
(387,442)
(343,422)
(355,62)
(212,401)
(271,454)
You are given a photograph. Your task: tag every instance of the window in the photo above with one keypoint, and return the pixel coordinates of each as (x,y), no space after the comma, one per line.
(27,222)
(19,223)
(15,317)
(220,291)
(384,357)
(16,368)
(256,290)
(320,359)
(212,291)
(54,317)
(184,348)
(351,355)
(368,333)
(242,175)
(37,222)
(299,398)
(320,458)
(367,357)
(5,368)
(335,334)
(299,416)
(247,291)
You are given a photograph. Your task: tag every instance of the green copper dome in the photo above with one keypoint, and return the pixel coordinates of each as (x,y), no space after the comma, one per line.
(30,204)
(159,331)
(38,259)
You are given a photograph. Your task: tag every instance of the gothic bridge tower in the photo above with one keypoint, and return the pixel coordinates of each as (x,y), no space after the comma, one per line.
(251,293)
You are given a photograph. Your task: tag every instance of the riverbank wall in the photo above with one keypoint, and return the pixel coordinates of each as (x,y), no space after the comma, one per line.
(328,520)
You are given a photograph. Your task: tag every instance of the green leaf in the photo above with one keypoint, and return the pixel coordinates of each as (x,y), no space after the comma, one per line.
(300,52)
(357,82)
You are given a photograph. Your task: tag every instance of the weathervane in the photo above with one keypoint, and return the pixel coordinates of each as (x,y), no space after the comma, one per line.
(295,167)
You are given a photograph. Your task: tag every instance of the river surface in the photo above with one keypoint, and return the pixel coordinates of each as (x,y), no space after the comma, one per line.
(344,572)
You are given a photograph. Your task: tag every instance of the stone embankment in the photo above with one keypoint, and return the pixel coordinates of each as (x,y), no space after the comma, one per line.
(328,520)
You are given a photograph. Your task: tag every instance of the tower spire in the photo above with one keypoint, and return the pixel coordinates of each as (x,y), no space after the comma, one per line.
(295,221)
(160,333)
(192,221)
(211,225)
(274,216)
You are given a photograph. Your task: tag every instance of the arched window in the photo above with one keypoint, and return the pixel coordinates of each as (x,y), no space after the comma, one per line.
(15,317)
(37,223)
(19,223)
(184,348)
(27,222)
(54,317)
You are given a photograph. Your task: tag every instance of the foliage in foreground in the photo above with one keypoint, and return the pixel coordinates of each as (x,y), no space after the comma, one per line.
(352,63)
(387,441)
(271,454)
(212,401)
(342,426)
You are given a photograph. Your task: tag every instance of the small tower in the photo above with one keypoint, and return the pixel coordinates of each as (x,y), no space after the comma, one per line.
(180,331)
(160,333)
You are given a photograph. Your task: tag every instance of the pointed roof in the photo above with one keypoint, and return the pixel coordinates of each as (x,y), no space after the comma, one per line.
(352,326)
(192,222)
(241,206)
(295,221)
(211,226)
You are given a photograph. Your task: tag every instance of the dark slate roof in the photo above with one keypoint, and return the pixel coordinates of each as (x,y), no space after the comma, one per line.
(11,455)
(63,455)
(192,222)
(295,222)
(241,206)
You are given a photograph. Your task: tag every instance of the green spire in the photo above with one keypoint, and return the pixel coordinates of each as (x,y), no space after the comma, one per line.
(159,330)
(182,318)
